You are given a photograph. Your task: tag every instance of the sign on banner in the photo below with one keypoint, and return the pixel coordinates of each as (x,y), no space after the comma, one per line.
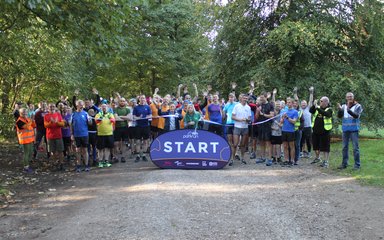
(190,149)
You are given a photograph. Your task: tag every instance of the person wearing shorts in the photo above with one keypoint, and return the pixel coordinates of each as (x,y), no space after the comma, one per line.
(322,126)
(120,134)
(230,124)
(79,126)
(264,112)
(241,115)
(105,122)
(141,114)
(288,120)
(276,138)
(53,122)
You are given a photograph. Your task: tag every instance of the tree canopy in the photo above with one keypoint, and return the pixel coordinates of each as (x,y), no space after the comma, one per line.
(50,48)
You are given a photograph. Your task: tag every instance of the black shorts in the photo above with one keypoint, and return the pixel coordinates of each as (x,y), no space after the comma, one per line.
(120,134)
(322,142)
(92,138)
(276,140)
(67,142)
(104,142)
(154,129)
(81,142)
(131,132)
(264,132)
(142,133)
(288,136)
(252,131)
(229,129)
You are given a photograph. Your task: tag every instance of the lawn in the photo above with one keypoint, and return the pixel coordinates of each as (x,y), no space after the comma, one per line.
(372,162)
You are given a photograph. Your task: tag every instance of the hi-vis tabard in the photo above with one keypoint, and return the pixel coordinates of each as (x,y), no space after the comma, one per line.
(27,134)
(327,120)
(350,124)
(297,123)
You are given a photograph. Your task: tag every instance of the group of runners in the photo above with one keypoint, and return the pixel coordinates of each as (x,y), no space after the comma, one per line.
(104,131)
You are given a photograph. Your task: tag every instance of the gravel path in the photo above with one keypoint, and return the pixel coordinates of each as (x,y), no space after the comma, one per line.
(139,201)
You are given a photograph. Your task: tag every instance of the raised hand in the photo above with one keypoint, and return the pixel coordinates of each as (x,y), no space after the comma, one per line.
(234,85)
(311,89)
(205,93)
(295,90)
(194,85)
(94,90)
(180,86)
(209,88)
(77,91)
(252,83)
(274,91)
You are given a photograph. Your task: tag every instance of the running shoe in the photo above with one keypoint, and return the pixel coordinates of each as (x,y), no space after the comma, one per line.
(324,164)
(101,164)
(115,160)
(28,170)
(253,155)
(243,161)
(107,164)
(260,160)
(87,168)
(78,168)
(122,160)
(269,163)
(144,158)
(230,162)
(237,157)
(316,160)
(137,159)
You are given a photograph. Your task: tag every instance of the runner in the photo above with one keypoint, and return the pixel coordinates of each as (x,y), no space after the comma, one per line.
(53,122)
(105,123)
(288,120)
(40,129)
(215,115)
(120,134)
(276,135)
(79,127)
(230,124)
(241,114)
(141,114)
(191,118)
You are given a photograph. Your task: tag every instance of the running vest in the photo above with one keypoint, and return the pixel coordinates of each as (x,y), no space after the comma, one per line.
(297,123)
(27,134)
(327,120)
(349,123)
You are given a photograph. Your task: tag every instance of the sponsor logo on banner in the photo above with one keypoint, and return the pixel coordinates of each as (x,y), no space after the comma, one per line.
(188,149)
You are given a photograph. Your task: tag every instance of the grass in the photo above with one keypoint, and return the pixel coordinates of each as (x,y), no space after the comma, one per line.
(372,162)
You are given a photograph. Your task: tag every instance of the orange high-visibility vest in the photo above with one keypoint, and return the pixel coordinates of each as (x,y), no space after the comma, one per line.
(27,134)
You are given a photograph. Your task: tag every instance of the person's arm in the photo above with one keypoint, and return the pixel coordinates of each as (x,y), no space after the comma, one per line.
(196,93)
(295,94)
(97,102)
(357,112)
(340,112)
(327,113)
(310,101)
(202,106)
(274,92)
(271,114)
(178,90)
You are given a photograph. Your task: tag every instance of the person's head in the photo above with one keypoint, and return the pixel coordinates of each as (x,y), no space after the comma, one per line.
(187,97)
(324,102)
(31,106)
(263,97)
(244,99)
(87,103)
(142,100)
(172,106)
(79,105)
(122,102)
(304,104)
(104,108)
(91,112)
(166,100)
(60,106)
(289,102)
(282,104)
(190,109)
(132,102)
(185,104)
(23,112)
(68,110)
(215,98)
(295,103)
(350,97)
(231,97)
(51,108)
(277,106)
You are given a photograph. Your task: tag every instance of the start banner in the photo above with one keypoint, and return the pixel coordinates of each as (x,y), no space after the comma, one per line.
(190,149)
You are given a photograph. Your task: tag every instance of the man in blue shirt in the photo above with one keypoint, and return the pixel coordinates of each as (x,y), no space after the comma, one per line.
(288,132)
(79,128)
(141,114)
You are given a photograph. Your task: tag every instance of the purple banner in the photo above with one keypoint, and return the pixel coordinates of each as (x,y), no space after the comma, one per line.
(190,149)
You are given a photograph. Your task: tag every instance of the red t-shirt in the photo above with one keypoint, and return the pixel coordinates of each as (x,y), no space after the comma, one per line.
(53,122)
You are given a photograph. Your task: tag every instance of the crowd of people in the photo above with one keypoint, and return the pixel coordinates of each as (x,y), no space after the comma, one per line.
(102,132)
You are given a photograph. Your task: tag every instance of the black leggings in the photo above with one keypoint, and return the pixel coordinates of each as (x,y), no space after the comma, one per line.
(306,138)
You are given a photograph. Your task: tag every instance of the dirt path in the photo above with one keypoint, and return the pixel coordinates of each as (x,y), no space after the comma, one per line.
(139,201)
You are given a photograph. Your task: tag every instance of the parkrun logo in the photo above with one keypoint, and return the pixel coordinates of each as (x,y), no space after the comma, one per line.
(189,149)
(191,134)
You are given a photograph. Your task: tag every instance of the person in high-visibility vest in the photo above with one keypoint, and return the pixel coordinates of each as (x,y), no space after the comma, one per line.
(350,114)
(26,135)
(322,126)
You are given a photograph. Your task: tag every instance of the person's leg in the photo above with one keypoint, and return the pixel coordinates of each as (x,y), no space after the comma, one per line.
(243,144)
(231,144)
(345,136)
(292,148)
(298,134)
(234,146)
(356,150)
(286,151)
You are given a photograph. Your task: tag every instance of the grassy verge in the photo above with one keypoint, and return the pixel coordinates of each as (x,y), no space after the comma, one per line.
(372,162)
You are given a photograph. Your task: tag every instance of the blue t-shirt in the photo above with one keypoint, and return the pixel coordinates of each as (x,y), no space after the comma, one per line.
(228,108)
(143,111)
(214,113)
(80,124)
(288,126)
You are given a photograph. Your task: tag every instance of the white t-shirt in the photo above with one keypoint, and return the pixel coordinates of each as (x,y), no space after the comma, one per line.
(241,111)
